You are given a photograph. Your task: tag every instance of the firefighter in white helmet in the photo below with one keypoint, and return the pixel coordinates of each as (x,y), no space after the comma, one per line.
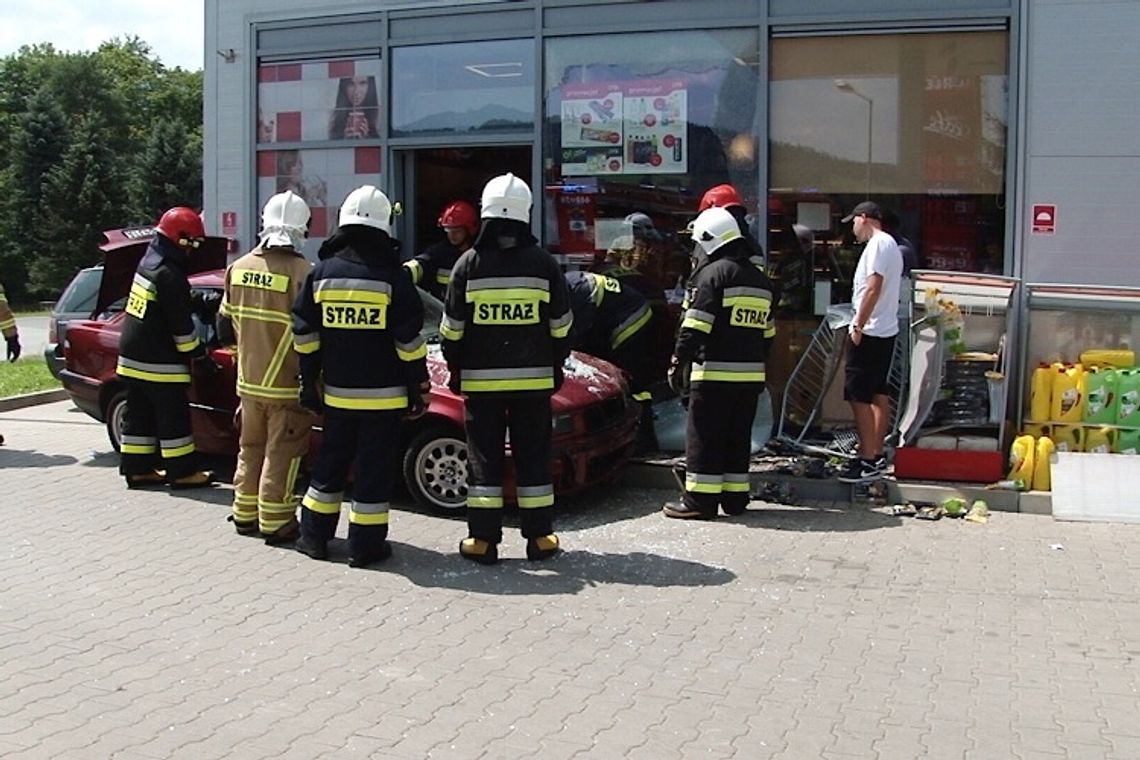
(505,329)
(720,353)
(256,316)
(357,327)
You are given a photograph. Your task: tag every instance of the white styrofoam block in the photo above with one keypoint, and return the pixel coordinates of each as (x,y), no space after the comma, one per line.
(1096,487)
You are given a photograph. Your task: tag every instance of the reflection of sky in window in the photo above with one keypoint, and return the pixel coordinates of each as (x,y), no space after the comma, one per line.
(496,78)
(813,113)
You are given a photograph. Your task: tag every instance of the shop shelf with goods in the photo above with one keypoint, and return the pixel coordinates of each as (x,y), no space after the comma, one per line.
(955,425)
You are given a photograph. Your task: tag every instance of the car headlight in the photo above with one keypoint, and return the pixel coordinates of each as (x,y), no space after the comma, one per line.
(562,423)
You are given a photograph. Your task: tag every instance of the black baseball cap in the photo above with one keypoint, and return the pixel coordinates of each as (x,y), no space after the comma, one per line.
(867,208)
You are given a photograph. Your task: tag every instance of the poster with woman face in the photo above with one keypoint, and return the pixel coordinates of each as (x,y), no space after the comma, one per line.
(318,101)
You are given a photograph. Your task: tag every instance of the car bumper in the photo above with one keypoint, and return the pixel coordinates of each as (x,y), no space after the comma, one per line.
(53,357)
(84,392)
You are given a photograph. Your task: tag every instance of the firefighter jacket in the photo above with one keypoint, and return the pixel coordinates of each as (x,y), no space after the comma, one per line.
(159,338)
(506,323)
(431,270)
(7,321)
(631,278)
(261,288)
(727,324)
(357,323)
(607,313)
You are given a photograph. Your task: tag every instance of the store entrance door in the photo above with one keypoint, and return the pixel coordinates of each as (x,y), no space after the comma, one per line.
(434,177)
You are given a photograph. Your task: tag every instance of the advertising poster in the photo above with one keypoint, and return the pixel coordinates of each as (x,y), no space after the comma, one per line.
(624,128)
(591,129)
(655,124)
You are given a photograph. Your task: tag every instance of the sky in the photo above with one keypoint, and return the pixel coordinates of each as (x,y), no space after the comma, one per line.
(172,28)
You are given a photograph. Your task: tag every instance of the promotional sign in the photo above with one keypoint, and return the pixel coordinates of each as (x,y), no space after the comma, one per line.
(1044,219)
(624,128)
(229,223)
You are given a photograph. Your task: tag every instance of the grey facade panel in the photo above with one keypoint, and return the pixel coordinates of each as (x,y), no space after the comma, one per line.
(873,9)
(488,24)
(664,13)
(349,35)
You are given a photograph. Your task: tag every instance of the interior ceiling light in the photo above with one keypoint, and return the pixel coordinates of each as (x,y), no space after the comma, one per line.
(496,70)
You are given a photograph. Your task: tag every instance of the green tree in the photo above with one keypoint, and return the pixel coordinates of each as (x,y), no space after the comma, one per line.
(75,208)
(168,172)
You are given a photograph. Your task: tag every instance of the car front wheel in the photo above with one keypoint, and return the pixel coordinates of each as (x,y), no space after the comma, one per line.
(435,468)
(116,418)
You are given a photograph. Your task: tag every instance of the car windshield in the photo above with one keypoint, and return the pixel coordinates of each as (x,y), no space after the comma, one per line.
(79,297)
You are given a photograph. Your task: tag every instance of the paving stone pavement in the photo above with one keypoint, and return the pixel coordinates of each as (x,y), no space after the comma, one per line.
(137,625)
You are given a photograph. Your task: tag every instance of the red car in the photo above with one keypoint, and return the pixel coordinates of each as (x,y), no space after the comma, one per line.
(594,422)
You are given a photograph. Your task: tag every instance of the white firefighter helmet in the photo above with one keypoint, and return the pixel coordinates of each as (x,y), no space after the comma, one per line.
(714,228)
(506,197)
(284,220)
(369,207)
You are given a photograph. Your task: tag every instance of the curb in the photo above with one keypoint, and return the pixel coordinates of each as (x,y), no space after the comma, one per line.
(32,399)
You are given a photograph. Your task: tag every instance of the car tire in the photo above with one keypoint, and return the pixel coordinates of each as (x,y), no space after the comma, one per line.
(115,417)
(435,468)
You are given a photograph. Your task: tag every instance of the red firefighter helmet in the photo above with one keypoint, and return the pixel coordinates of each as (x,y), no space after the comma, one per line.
(460,214)
(721,196)
(183,227)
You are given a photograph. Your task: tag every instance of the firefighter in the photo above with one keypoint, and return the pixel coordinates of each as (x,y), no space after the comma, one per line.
(11,334)
(721,347)
(726,197)
(356,325)
(431,270)
(612,321)
(158,343)
(256,316)
(506,329)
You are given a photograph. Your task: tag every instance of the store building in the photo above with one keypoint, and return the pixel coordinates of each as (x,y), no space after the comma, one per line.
(998,152)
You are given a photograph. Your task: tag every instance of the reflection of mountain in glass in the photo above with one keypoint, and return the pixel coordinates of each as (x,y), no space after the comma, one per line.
(485,118)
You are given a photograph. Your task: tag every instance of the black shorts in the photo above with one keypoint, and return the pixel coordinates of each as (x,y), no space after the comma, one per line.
(868,365)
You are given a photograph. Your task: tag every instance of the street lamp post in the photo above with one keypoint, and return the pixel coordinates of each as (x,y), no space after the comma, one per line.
(844,86)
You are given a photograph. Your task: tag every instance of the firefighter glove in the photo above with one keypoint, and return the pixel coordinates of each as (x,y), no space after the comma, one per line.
(679,376)
(207,366)
(13,348)
(417,400)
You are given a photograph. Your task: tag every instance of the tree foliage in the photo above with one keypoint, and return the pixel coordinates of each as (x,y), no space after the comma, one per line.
(88,142)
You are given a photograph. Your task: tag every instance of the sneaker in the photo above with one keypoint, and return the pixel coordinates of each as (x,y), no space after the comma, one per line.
(679,510)
(881,462)
(861,471)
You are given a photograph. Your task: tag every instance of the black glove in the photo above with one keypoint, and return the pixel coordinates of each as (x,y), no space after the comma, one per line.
(311,398)
(206,365)
(417,400)
(679,376)
(13,347)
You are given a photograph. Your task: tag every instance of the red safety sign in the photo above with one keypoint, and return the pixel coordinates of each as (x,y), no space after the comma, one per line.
(1044,219)
(229,223)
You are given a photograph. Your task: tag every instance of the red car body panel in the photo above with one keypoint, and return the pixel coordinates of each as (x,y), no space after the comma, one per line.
(595,421)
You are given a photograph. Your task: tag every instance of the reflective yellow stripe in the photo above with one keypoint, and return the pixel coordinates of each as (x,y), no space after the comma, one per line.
(629,331)
(770,332)
(366,518)
(245,499)
(359,296)
(643,396)
(698,483)
(284,344)
(186,346)
(415,269)
(413,355)
(726,376)
(366,404)
(507,294)
(252,389)
(153,377)
(442,277)
(291,478)
(321,507)
(730,487)
(178,451)
(7,323)
(448,332)
(531,502)
(308,347)
(696,324)
(262,315)
(137,448)
(485,502)
(526,384)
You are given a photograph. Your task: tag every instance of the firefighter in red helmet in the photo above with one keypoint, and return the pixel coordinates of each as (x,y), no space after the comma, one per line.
(726,197)
(431,270)
(158,343)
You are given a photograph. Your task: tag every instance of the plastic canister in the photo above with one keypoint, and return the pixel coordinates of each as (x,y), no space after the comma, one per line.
(1109,357)
(1021,455)
(1127,442)
(1038,429)
(1068,398)
(1042,465)
(1102,397)
(1128,386)
(1100,440)
(1040,393)
(1068,437)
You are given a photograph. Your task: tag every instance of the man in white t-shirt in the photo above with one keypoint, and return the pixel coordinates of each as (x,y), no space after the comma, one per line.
(872,340)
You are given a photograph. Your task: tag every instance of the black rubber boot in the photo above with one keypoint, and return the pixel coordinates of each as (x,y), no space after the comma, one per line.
(286,534)
(244,528)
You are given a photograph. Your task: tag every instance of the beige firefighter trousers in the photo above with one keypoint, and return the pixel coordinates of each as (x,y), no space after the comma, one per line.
(274,438)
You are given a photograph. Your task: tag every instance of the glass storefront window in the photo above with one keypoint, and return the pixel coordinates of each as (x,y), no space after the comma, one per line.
(645,123)
(316,101)
(915,122)
(463,87)
(322,176)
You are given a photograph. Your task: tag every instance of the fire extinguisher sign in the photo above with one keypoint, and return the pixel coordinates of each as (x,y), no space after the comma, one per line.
(1044,220)
(229,223)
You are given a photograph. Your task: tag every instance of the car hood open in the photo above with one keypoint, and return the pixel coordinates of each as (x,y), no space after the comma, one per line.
(124,250)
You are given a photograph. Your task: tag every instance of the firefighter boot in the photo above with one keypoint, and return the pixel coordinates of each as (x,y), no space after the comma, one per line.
(198,479)
(478,550)
(244,528)
(313,547)
(543,547)
(144,479)
(682,511)
(366,558)
(286,534)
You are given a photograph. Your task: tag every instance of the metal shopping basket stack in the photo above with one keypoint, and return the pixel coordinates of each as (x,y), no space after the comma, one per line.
(818,368)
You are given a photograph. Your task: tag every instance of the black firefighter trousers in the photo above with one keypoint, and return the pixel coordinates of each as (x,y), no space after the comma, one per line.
(156,432)
(718,445)
(528,416)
